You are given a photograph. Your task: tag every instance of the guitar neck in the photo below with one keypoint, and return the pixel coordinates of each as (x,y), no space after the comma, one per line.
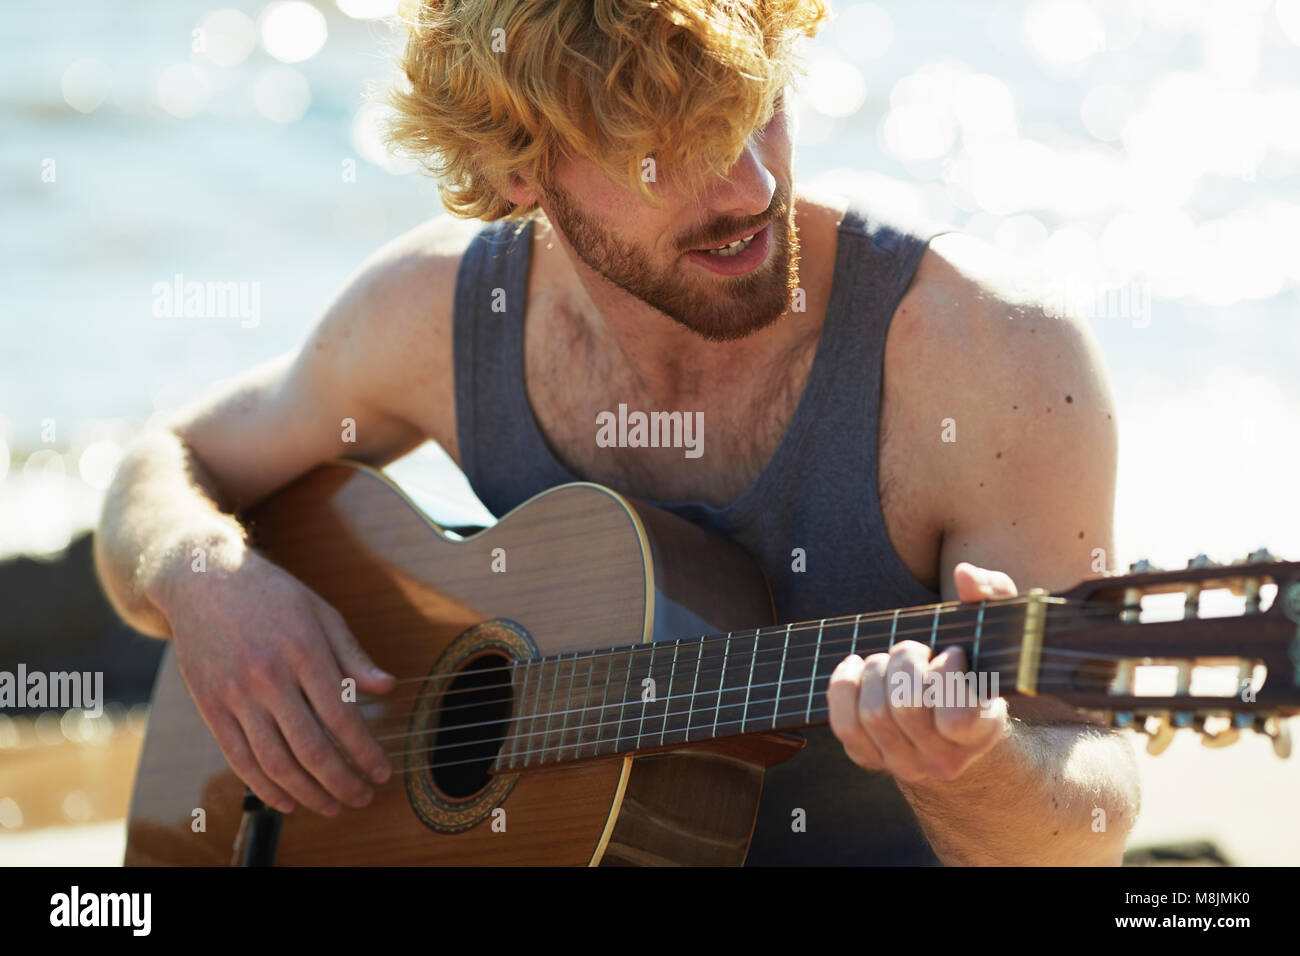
(645,697)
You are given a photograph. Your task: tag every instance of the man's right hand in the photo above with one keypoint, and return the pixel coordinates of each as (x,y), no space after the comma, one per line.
(264,658)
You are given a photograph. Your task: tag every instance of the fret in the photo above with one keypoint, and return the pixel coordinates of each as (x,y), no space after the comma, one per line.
(668,698)
(550,710)
(695,684)
(856,622)
(604,701)
(537,711)
(797,681)
(677,716)
(785,651)
(893,631)
(645,704)
(979,631)
(812,683)
(934,628)
(722,683)
(622,707)
(769,660)
(568,707)
(512,739)
(585,726)
(749,684)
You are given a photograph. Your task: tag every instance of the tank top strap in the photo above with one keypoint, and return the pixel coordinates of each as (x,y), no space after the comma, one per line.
(493,417)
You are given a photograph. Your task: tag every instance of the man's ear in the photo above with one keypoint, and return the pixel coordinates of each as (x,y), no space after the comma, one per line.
(520,189)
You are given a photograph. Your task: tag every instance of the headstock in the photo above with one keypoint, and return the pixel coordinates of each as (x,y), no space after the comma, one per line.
(1096,642)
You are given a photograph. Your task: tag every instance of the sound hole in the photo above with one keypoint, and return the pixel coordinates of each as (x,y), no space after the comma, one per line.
(473,717)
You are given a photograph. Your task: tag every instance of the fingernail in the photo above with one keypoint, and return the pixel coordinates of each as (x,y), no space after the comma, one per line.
(381,674)
(380,774)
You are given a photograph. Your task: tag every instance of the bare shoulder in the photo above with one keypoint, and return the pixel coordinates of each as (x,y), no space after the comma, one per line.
(388,332)
(996,387)
(972,308)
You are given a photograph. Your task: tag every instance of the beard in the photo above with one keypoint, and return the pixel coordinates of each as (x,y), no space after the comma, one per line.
(721,310)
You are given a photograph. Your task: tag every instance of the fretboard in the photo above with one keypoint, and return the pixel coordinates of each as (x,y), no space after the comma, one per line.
(648,696)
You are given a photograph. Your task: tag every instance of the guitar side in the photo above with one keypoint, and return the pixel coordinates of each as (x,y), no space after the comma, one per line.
(584,569)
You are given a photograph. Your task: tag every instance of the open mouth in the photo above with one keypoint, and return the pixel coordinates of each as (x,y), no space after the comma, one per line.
(738,256)
(733,248)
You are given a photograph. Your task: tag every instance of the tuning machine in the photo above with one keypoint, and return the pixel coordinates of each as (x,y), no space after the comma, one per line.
(1131,612)
(1160,734)
(1277,730)
(1223,738)
(1251,586)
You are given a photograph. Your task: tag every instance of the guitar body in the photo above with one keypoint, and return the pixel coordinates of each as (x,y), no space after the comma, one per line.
(583,569)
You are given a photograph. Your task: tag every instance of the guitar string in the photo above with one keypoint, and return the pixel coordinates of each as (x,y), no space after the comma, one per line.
(738,638)
(832,658)
(904,614)
(690,713)
(622,717)
(820,711)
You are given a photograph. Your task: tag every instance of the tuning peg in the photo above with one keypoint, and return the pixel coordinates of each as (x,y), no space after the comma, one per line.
(1192,591)
(1160,735)
(1262,556)
(1122,719)
(1224,738)
(1278,731)
(1143,566)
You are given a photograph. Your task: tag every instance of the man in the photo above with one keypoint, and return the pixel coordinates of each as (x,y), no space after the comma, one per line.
(886,419)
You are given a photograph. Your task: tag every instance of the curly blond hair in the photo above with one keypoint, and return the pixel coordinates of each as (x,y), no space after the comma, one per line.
(497,87)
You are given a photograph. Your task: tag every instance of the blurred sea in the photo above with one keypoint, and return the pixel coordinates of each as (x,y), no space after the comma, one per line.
(1145,146)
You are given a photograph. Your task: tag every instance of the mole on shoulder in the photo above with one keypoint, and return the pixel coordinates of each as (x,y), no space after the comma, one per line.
(1069,399)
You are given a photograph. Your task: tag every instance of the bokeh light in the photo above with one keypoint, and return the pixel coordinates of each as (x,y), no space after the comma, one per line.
(281,94)
(1063,31)
(368,9)
(293,31)
(97,463)
(86,84)
(228,37)
(183,90)
(367,135)
(1105,110)
(834,87)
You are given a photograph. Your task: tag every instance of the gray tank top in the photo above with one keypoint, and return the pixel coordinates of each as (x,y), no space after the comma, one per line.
(818,492)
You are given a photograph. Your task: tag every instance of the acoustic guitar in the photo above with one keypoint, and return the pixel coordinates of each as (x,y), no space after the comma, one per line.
(594,681)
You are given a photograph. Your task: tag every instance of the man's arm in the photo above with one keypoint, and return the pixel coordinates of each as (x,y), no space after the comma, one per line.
(1027,488)
(262,655)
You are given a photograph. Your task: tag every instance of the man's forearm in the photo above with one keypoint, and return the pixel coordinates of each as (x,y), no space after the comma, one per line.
(156,512)
(1050,795)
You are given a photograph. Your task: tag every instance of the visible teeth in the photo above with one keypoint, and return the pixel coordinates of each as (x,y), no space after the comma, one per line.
(733,247)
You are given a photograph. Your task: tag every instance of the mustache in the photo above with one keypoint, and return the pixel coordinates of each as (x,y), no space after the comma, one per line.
(777,208)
